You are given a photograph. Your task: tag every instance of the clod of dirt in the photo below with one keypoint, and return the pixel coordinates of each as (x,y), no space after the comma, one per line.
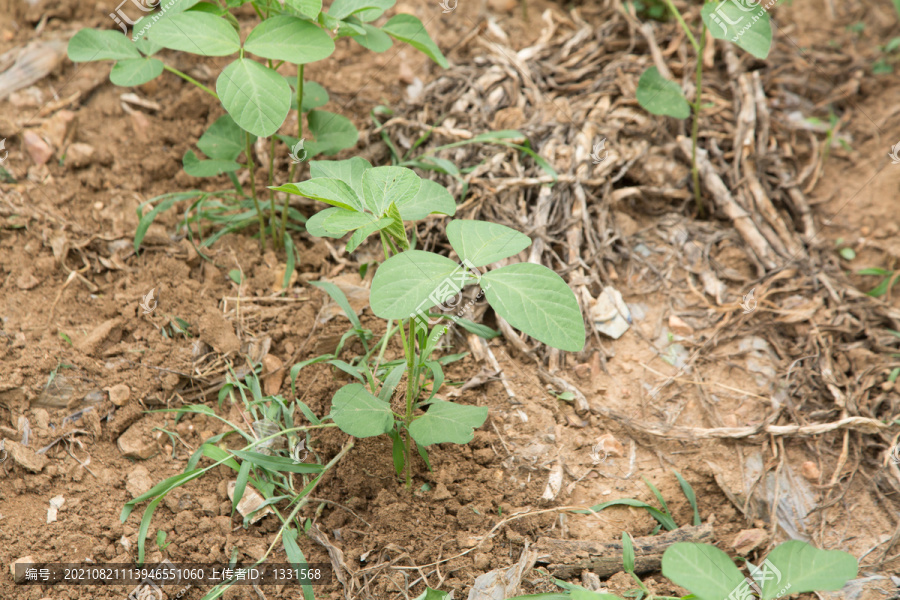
(39,150)
(25,560)
(119,394)
(216,331)
(138,481)
(679,327)
(441,492)
(25,457)
(56,129)
(56,503)
(91,343)
(610,446)
(250,501)
(748,540)
(810,470)
(138,442)
(80,155)
(272,374)
(26,280)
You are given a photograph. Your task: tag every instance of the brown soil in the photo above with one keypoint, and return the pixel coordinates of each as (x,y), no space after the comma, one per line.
(88,332)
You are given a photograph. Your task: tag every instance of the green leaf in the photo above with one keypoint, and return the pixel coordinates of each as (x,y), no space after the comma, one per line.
(240,484)
(196,32)
(130,72)
(314,96)
(663,519)
(359,413)
(366,10)
(383,185)
(431,198)
(349,171)
(307,8)
(396,229)
(405,281)
(333,133)
(537,301)
(365,231)
(257,98)
(195,167)
(295,557)
(703,569)
(627,553)
(223,140)
(340,298)
(398,452)
(167,201)
(289,38)
(281,464)
(409,29)
(91,44)
(743,23)
(805,569)
(330,191)
(341,220)
(482,243)
(660,96)
(374,39)
(690,495)
(447,422)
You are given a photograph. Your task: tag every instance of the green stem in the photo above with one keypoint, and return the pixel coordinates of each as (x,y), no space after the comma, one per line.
(410,352)
(684,27)
(190,79)
(237,184)
(284,211)
(252,168)
(695,126)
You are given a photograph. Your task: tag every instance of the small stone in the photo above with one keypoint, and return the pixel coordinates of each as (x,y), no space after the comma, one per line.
(25,457)
(27,281)
(583,371)
(138,481)
(482,561)
(91,343)
(810,470)
(272,374)
(609,445)
(137,442)
(80,155)
(679,327)
(41,419)
(119,394)
(39,150)
(56,129)
(441,492)
(749,539)
(25,560)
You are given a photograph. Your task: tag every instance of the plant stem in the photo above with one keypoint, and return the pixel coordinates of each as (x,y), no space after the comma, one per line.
(190,79)
(409,350)
(284,211)
(252,168)
(695,126)
(687,30)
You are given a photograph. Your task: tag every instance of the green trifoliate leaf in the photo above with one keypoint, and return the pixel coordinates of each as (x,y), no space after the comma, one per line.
(431,198)
(742,22)
(660,96)
(333,133)
(314,95)
(196,32)
(482,243)
(135,71)
(795,567)
(316,224)
(91,44)
(195,167)
(345,220)
(366,10)
(703,569)
(412,281)
(536,301)
(360,414)
(374,39)
(256,97)
(447,422)
(365,231)
(329,191)
(409,29)
(383,185)
(349,171)
(307,8)
(223,140)
(289,38)
(396,229)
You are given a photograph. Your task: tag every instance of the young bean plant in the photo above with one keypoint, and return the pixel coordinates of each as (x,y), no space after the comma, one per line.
(255,96)
(743,22)
(367,201)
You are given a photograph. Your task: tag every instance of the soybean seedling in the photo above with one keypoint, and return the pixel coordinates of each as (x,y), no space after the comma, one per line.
(742,22)
(368,200)
(255,96)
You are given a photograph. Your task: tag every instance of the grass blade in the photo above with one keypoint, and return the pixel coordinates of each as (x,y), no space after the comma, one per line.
(690,495)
